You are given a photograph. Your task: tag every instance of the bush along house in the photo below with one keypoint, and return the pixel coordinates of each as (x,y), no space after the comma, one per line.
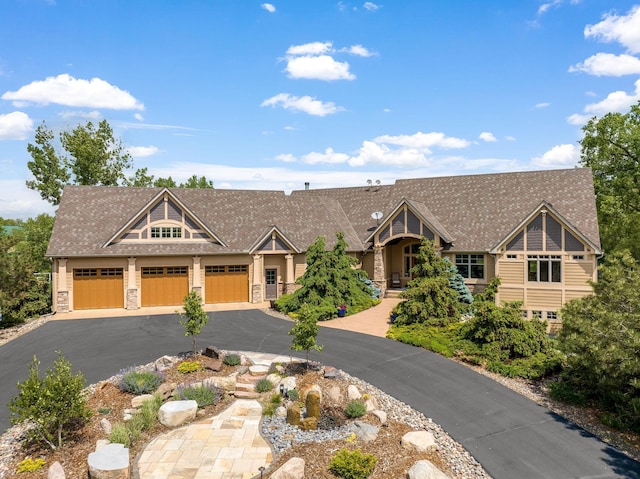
(130,248)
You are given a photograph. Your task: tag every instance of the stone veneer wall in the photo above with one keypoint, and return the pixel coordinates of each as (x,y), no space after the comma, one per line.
(256,293)
(132,299)
(62,302)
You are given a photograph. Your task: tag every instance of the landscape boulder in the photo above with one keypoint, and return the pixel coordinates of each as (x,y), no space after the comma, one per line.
(425,470)
(176,413)
(292,469)
(164,363)
(353,393)
(365,432)
(56,471)
(421,441)
(136,401)
(109,462)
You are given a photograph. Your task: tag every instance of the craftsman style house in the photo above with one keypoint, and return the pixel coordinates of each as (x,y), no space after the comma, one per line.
(117,247)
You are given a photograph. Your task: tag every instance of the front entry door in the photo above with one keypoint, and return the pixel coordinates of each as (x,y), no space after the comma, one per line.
(271,284)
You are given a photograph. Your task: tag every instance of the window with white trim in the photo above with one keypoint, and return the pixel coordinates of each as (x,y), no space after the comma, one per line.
(166,232)
(552,316)
(544,268)
(470,265)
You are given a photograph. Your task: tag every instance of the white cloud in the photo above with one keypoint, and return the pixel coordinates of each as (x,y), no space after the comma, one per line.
(322,67)
(143,151)
(359,50)
(69,91)
(510,138)
(286,158)
(545,7)
(423,141)
(304,104)
(373,153)
(138,117)
(15,126)
(623,29)
(608,64)
(17,201)
(89,115)
(269,7)
(615,102)
(560,156)
(543,104)
(487,136)
(329,157)
(314,48)
(372,7)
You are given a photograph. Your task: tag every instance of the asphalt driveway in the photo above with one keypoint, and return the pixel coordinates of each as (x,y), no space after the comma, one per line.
(512,437)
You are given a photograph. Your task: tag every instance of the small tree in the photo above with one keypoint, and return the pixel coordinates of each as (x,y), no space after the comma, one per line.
(305,331)
(53,405)
(430,299)
(457,283)
(195,317)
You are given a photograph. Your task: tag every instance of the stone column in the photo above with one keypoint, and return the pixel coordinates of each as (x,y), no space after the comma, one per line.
(256,289)
(62,293)
(197,283)
(132,285)
(379,274)
(290,280)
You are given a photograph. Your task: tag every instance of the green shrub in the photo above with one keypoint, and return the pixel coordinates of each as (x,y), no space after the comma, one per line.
(140,382)
(264,385)
(55,405)
(120,434)
(564,391)
(31,465)
(293,394)
(232,359)
(439,340)
(274,403)
(536,367)
(187,367)
(352,464)
(204,395)
(149,411)
(355,409)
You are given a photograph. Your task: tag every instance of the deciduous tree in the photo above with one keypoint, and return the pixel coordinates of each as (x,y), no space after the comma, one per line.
(305,331)
(195,318)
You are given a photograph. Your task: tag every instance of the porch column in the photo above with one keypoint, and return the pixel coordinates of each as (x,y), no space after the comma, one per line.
(132,285)
(290,280)
(62,293)
(379,274)
(197,283)
(256,288)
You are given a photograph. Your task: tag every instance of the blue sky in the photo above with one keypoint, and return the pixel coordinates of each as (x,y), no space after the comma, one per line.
(261,95)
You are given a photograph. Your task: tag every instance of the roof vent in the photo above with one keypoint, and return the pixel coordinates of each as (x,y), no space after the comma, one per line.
(306,185)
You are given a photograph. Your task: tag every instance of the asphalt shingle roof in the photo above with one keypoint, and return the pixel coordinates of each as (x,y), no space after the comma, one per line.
(477,211)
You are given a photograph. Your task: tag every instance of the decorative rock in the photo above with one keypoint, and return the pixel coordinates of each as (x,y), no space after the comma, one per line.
(309,423)
(313,404)
(164,363)
(331,373)
(109,462)
(425,470)
(293,415)
(212,352)
(274,379)
(289,382)
(212,364)
(371,404)
(281,411)
(176,413)
(137,401)
(127,416)
(380,415)
(421,441)
(305,390)
(366,432)
(105,426)
(334,395)
(55,471)
(166,390)
(258,370)
(292,469)
(228,383)
(101,443)
(353,393)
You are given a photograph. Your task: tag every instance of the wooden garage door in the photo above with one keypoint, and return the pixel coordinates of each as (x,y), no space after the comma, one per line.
(164,286)
(98,288)
(226,284)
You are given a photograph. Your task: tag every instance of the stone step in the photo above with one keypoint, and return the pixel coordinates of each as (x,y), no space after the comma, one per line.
(246,395)
(246,387)
(258,370)
(392,293)
(249,379)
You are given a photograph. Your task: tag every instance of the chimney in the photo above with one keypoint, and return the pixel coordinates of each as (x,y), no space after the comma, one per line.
(306,185)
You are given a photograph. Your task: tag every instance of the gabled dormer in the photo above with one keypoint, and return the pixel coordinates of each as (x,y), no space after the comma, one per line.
(545,230)
(273,242)
(165,219)
(410,219)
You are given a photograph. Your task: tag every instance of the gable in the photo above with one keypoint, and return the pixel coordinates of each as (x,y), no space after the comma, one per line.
(545,231)
(274,242)
(165,219)
(404,221)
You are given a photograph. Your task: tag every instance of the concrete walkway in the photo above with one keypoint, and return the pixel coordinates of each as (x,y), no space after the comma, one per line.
(374,321)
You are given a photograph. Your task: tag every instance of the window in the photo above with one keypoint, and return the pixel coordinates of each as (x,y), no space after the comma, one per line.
(544,268)
(166,232)
(470,265)
(410,253)
(536,314)
(214,269)
(512,256)
(238,268)
(552,316)
(578,257)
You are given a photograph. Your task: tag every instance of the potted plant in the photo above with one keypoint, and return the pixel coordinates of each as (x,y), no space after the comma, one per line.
(342,310)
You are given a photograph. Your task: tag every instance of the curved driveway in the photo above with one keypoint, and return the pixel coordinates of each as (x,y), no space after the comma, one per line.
(512,437)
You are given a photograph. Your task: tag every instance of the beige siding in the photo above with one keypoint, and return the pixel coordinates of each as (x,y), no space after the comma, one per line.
(506,295)
(578,273)
(511,271)
(576,294)
(544,299)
